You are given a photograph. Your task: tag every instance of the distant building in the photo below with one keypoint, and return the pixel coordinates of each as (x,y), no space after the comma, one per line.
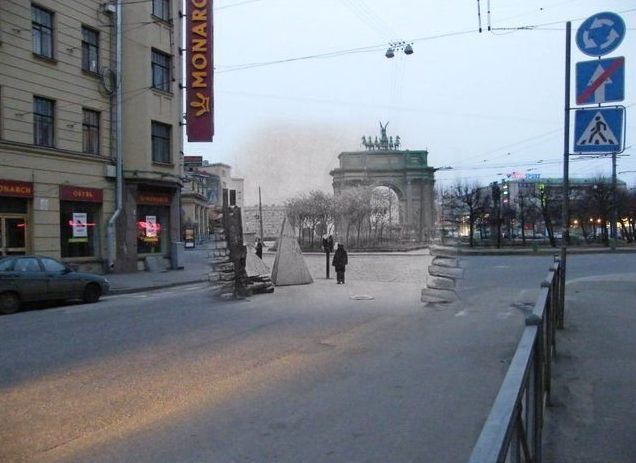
(230,189)
(272,220)
(515,189)
(195,201)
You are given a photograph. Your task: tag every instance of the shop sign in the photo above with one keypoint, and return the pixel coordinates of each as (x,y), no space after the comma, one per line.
(199,66)
(16,189)
(154,199)
(192,161)
(523,176)
(76,193)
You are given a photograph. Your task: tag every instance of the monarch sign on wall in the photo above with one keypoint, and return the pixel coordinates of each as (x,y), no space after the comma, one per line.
(199,66)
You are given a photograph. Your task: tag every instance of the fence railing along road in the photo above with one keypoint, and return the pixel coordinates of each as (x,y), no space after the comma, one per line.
(512,432)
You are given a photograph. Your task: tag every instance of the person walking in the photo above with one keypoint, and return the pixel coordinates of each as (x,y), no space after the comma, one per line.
(259,248)
(340,261)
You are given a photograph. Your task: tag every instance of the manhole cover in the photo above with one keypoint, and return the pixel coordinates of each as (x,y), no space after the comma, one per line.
(362,297)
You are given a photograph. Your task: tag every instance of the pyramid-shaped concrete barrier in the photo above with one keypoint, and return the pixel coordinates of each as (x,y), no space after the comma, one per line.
(290,267)
(254,266)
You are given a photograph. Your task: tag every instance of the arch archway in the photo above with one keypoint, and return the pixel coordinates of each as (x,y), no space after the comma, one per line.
(406,173)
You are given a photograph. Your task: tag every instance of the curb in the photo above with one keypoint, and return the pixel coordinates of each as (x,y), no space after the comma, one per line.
(117,291)
(540,252)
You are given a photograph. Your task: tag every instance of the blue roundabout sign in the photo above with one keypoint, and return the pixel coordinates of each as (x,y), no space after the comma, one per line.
(600,34)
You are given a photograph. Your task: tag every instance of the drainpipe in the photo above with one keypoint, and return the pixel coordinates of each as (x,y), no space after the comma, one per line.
(119,191)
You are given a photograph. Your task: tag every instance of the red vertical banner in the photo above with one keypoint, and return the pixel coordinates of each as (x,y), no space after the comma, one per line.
(199,71)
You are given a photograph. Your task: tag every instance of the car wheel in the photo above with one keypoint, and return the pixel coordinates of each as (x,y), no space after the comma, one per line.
(9,303)
(92,293)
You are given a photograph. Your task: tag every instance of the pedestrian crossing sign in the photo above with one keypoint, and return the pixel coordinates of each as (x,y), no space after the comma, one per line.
(598,130)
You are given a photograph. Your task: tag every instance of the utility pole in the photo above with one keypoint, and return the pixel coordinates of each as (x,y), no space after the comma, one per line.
(260,212)
(613,211)
(565,212)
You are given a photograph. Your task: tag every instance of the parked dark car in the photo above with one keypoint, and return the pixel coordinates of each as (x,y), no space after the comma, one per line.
(35,279)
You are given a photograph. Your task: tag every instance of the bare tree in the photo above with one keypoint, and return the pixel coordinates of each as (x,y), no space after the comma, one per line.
(467,199)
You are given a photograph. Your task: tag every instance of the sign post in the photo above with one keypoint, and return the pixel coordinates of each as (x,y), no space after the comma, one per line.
(601,130)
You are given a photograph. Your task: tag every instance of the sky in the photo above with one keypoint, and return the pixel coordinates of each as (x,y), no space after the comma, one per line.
(299,81)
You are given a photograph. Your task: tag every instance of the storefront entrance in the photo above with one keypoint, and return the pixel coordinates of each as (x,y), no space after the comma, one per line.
(14,207)
(13,232)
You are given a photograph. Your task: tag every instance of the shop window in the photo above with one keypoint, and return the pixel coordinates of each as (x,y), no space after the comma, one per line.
(152,229)
(161,142)
(161,70)
(161,9)
(90,49)
(90,131)
(42,31)
(79,229)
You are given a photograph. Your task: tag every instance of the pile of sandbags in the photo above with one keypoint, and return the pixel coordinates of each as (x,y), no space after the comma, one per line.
(443,275)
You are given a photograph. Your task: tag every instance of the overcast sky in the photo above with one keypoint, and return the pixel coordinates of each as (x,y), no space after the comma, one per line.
(485,104)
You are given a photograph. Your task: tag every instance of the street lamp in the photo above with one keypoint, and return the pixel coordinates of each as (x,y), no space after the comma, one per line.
(407,48)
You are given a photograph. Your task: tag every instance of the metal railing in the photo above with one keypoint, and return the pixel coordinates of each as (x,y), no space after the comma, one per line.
(512,431)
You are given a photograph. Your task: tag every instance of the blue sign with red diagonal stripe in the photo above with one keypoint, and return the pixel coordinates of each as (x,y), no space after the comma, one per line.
(600,81)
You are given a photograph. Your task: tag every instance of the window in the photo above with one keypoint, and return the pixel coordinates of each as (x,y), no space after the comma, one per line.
(42,31)
(160,71)
(90,132)
(51,265)
(7,265)
(161,134)
(43,121)
(152,229)
(90,50)
(27,264)
(232,197)
(78,225)
(161,9)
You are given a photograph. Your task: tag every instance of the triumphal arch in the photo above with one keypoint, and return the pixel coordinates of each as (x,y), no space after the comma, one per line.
(382,163)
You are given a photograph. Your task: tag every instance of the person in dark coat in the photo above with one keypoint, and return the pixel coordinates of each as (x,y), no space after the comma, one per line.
(340,261)
(259,248)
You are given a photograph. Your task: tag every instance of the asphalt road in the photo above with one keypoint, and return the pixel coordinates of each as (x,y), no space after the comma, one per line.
(308,373)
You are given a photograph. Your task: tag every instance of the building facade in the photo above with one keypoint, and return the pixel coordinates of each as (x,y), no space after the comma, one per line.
(58,81)
(230,189)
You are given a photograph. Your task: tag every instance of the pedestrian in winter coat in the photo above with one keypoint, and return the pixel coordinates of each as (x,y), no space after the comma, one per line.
(259,248)
(340,260)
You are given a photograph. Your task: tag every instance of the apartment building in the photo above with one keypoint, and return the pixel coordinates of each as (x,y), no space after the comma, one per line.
(58,82)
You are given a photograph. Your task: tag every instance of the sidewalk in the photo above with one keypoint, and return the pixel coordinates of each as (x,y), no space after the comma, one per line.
(195,271)
(593,417)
